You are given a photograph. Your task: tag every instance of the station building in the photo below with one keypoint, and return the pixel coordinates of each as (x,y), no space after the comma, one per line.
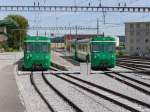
(4,26)
(138,38)
(3,34)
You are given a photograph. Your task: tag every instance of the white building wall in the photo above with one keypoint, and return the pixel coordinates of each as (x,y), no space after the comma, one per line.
(138,38)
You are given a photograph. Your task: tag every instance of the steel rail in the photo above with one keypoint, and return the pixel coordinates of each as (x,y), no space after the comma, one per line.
(134,58)
(110,91)
(128,83)
(74,106)
(134,62)
(131,67)
(134,80)
(136,65)
(40,94)
(99,94)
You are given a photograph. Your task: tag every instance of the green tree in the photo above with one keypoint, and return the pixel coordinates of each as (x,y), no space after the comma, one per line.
(16,36)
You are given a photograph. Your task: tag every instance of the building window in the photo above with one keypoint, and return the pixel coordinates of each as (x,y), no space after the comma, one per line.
(138,26)
(138,40)
(146,40)
(131,48)
(131,26)
(147,29)
(131,40)
(138,33)
(131,29)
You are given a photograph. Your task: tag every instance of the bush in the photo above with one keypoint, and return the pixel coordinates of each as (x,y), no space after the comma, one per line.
(3,45)
(11,50)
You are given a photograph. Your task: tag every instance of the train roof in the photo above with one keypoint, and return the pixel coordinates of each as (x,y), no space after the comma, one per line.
(101,38)
(37,39)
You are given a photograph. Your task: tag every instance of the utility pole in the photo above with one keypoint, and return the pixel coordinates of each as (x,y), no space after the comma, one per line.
(97,27)
(20,41)
(37,33)
(70,28)
(76,28)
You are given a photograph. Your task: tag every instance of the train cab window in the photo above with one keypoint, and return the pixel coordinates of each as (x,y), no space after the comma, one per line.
(37,47)
(97,48)
(110,48)
(102,48)
(28,47)
(45,48)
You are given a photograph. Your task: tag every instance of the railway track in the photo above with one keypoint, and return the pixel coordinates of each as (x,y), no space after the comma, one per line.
(59,94)
(145,63)
(136,84)
(128,99)
(51,109)
(134,68)
(134,58)
(132,79)
(142,73)
(135,61)
(144,66)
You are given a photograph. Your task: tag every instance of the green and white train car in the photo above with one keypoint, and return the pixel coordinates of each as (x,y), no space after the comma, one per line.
(37,54)
(100,51)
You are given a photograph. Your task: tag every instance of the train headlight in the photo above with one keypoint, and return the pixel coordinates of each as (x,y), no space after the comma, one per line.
(112,56)
(95,56)
(46,57)
(28,56)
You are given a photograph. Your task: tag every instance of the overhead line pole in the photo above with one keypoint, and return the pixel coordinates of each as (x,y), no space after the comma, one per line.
(97,27)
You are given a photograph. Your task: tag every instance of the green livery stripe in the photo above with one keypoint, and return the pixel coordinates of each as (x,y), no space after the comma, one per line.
(103,41)
(37,41)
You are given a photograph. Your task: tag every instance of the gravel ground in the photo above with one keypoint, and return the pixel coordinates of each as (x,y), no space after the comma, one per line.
(110,95)
(132,59)
(138,76)
(30,97)
(84,100)
(144,87)
(55,101)
(120,69)
(105,81)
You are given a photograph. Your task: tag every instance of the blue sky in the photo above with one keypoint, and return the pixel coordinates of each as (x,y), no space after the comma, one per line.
(82,19)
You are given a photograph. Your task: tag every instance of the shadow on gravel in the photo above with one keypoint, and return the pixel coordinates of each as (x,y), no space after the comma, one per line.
(71,60)
(20,64)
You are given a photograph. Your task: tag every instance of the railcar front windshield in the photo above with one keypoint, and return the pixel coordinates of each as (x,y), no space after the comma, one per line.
(103,47)
(37,47)
(28,47)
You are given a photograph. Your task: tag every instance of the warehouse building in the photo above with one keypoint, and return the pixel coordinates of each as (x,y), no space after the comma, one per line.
(138,38)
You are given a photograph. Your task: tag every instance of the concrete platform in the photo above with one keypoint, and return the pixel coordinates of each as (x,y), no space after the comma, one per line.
(60,60)
(9,94)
